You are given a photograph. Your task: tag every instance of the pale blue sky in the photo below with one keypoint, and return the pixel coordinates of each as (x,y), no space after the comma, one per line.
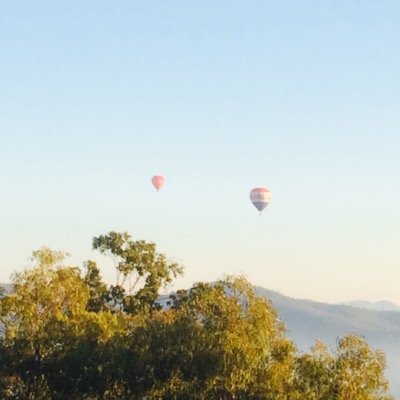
(220,96)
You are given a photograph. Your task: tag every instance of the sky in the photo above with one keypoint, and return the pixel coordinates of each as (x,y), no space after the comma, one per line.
(302,97)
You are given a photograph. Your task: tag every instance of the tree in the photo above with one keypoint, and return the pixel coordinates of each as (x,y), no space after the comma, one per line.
(41,298)
(141,271)
(98,292)
(359,371)
(68,337)
(315,374)
(52,342)
(220,341)
(352,372)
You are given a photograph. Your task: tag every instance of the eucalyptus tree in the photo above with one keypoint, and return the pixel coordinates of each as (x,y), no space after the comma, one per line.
(50,338)
(141,271)
(359,371)
(219,341)
(352,371)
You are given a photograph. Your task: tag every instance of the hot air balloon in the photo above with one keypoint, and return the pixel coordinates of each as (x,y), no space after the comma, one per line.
(158,181)
(260,197)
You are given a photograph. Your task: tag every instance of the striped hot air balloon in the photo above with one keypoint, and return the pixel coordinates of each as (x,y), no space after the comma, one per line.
(260,197)
(158,181)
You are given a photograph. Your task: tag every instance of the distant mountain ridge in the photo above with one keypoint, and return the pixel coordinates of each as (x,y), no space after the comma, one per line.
(382,305)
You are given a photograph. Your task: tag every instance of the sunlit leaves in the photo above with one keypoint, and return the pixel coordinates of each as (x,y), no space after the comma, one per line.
(68,337)
(141,271)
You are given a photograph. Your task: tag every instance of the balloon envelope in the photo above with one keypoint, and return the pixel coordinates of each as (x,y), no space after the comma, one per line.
(158,181)
(260,197)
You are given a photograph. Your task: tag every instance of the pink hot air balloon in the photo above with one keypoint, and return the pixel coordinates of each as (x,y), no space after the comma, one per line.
(260,197)
(158,181)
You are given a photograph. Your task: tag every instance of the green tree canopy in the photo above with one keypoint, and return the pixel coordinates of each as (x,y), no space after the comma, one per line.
(220,341)
(141,271)
(73,337)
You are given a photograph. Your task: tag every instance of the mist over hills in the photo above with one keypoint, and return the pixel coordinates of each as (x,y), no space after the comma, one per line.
(307,321)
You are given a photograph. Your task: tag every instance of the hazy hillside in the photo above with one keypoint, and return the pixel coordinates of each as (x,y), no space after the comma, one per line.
(377,306)
(308,320)
(5,287)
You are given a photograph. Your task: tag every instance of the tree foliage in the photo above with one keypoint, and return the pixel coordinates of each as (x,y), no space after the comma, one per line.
(68,335)
(141,271)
